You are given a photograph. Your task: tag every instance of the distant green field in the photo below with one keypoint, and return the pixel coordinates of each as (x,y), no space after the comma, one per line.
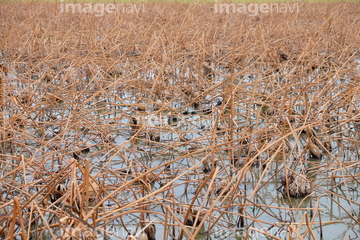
(180,1)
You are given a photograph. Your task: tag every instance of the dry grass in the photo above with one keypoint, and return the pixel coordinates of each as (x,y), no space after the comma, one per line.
(175,110)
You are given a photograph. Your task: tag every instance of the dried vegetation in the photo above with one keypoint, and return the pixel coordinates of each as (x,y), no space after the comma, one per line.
(189,116)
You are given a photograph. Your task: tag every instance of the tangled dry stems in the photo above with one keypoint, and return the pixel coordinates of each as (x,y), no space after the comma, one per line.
(106,117)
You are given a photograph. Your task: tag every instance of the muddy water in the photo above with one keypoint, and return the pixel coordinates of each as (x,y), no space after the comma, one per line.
(105,129)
